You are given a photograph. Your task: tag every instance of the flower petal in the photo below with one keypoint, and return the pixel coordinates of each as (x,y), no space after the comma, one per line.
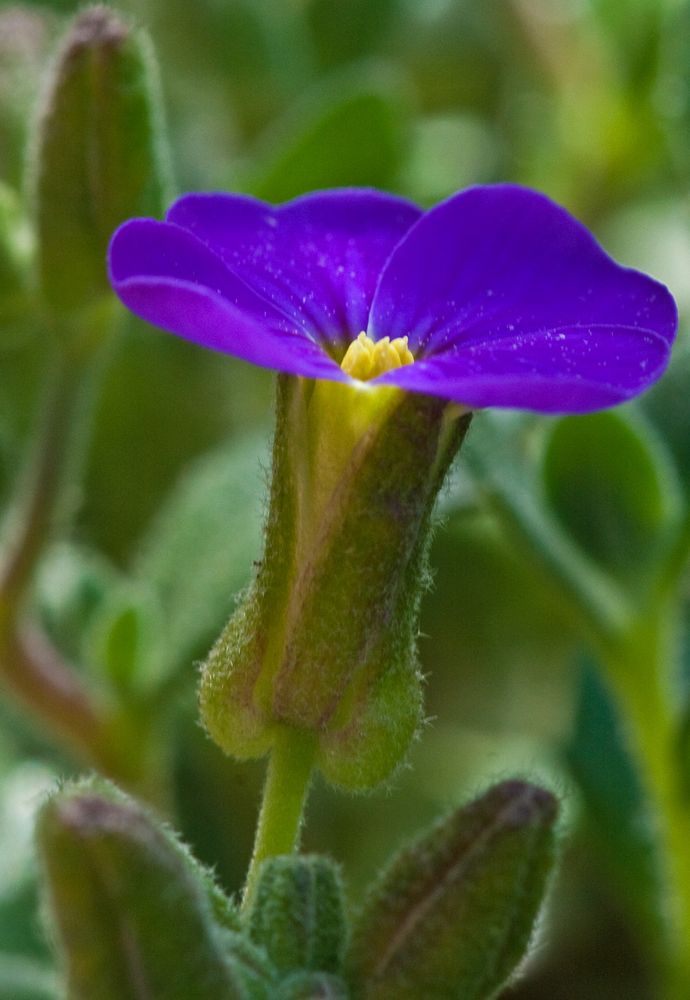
(170,278)
(502,288)
(569,370)
(317,258)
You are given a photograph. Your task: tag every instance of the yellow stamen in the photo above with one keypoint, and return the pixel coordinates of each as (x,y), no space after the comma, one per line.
(365,359)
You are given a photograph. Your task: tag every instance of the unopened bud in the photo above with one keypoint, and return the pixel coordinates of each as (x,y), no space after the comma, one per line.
(97,155)
(453,913)
(298,914)
(127,900)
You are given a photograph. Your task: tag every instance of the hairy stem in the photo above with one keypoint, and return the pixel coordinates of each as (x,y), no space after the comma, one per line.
(285,793)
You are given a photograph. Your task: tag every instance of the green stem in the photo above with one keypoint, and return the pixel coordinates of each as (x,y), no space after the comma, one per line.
(31,669)
(640,674)
(40,490)
(282,808)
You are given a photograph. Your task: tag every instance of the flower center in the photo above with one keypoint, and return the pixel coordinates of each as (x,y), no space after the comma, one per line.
(365,359)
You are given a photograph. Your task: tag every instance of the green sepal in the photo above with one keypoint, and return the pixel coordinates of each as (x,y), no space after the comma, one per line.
(298,913)
(325,638)
(134,914)
(97,155)
(452,914)
(312,986)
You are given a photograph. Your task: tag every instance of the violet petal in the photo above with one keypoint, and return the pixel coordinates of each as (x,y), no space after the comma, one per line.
(503,286)
(168,277)
(571,370)
(317,258)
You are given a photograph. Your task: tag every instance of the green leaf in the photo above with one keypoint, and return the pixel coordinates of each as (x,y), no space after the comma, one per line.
(198,553)
(667,406)
(607,482)
(600,763)
(452,914)
(133,912)
(355,135)
(504,455)
(298,914)
(342,32)
(634,31)
(97,155)
(126,642)
(312,986)
(72,589)
(22,978)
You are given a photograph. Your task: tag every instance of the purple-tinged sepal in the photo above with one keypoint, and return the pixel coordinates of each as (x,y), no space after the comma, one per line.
(97,154)
(134,914)
(325,639)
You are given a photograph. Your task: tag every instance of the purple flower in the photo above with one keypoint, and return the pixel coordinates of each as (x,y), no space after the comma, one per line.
(504,298)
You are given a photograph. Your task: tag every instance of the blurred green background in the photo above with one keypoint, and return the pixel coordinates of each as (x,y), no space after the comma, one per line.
(587,100)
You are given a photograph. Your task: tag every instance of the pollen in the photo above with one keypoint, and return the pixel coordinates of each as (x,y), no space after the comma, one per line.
(365,359)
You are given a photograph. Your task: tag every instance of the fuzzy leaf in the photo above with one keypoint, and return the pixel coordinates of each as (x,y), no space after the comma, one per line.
(299,915)
(198,552)
(452,914)
(134,913)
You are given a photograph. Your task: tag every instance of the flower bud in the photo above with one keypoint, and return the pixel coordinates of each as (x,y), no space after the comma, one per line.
(298,914)
(127,900)
(325,639)
(97,155)
(453,913)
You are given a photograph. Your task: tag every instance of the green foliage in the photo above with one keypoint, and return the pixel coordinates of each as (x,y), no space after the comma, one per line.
(97,155)
(125,642)
(298,914)
(667,406)
(24,979)
(608,488)
(15,248)
(590,102)
(452,914)
(197,554)
(72,589)
(312,986)
(332,144)
(134,914)
(600,763)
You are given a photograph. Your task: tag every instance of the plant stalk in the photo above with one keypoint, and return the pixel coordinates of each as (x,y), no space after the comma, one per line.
(285,793)
(639,672)
(31,669)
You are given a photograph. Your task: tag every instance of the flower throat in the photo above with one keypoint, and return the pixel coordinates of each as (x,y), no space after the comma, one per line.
(365,359)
